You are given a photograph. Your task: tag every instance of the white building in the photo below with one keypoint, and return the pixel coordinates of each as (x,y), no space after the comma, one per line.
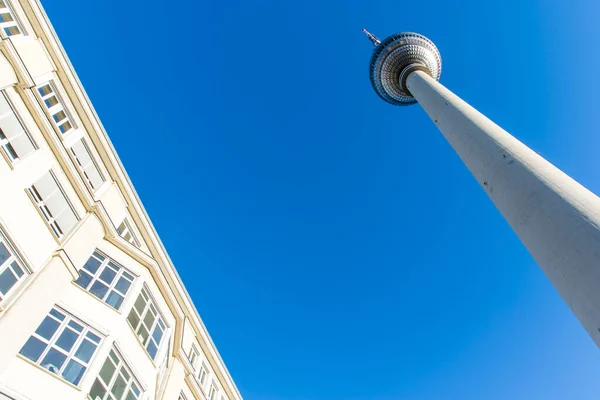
(90,304)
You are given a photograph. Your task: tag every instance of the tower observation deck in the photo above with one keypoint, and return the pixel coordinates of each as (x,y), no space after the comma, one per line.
(556,218)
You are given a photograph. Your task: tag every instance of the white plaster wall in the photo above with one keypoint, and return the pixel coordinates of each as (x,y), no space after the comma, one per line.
(114,204)
(7,74)
(33,55)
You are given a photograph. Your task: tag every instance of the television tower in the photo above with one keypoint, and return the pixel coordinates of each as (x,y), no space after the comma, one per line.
(556,218)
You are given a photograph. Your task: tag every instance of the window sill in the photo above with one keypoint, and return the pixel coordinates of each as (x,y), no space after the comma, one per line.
(28,361)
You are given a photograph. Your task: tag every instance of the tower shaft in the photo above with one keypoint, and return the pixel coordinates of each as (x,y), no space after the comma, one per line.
(556,218)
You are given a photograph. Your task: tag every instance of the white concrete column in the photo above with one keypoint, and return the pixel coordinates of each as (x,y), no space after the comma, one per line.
(556,218)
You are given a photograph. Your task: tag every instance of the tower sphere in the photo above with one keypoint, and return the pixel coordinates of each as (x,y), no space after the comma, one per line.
(394,58)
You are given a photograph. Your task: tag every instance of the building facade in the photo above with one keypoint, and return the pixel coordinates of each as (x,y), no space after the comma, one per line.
(91,306)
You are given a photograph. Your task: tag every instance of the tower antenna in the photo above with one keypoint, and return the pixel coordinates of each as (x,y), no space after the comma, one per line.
(372,37)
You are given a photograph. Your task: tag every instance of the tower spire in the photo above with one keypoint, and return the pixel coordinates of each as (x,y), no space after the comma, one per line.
(372,37)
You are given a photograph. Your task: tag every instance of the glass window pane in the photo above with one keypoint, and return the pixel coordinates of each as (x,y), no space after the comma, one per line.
(57,314)
(92,337)
(67,339)
(119,387)
(133,319)
(127,275)
(114,300)
(4,253)
(140,303)
(108,275)
(152,349)
(157,335)
(54,360)
(33,349)
(85,351)
(98,289)
(143,333)
(73,372)
(17,269)
(97,390)
(12,30)
(107,371)
(84,279)
(6,17)
(51,101)
(47,328)
(45,90)
(92,265)
(123,285)
(75,326)
(65,127)
(59,116)
(7,280)
(149,319)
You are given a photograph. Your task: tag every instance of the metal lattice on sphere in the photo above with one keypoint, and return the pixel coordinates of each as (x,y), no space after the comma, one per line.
(394,58)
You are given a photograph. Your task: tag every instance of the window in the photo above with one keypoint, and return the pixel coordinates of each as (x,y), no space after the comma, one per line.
(182,396)
(11,270)
(62,345)
(8,22)
(84,159)
(53,204)
(202,375)
(60,117)
(124,230)
(147,322)
(193,356)
(115,381)
(212,392)
(14,140)
(105,279)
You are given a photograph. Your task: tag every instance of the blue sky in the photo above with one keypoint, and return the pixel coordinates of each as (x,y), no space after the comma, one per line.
(335,245)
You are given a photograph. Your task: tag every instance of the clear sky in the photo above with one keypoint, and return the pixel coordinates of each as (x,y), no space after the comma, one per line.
(335,246)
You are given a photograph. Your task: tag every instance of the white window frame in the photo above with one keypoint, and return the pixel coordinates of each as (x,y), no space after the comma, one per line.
(106,263)
(9,26)
(202,374)
(7,147)
(55,109)
(9,265)
(158,321)
(121,365)
(45,211)
(193,356)
(125,229)
(84,168)
(51,343)
(212,392)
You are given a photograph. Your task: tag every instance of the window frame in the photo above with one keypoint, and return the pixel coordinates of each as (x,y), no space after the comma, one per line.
(51,343)
(213,392)
(141,316)
(8,150)
(55,109)
(83,168)
(14,23)
(107,262)
(45,212)
(128,230)
(202,374)
(14,257)
(122,364)
(193,360)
